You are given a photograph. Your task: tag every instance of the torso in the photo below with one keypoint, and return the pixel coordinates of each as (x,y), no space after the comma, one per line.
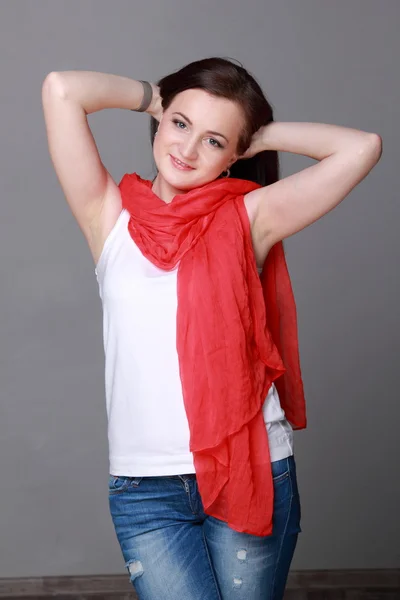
(111,208)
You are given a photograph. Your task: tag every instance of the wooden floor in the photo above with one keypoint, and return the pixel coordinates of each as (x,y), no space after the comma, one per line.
(289,595)
(372,584)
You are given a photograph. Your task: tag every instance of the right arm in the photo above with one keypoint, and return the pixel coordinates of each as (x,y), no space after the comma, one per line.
(67,98)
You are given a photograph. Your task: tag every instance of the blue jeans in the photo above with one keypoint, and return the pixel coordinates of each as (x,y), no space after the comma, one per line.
(174,551)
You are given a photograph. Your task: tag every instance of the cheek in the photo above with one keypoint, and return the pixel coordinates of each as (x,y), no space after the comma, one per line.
(163,142)
(215,160)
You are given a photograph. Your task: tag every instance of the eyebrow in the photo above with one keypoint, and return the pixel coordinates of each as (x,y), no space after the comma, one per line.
(190,123)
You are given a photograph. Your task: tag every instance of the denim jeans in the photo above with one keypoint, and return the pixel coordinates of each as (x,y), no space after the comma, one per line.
(174,551)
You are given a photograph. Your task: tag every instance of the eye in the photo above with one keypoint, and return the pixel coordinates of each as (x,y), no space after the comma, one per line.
(217,144)
(177,122)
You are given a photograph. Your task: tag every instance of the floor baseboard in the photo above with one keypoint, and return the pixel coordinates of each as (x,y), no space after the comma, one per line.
(360,584)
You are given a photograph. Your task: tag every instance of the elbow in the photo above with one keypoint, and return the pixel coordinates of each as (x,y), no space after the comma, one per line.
(52,82)
(50,78)
(375,144)
(370,150)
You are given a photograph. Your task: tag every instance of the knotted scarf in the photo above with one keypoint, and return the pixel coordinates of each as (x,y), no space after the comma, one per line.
(236,334)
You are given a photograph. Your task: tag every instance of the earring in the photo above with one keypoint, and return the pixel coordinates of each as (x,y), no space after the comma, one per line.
(227,173)
(156,132)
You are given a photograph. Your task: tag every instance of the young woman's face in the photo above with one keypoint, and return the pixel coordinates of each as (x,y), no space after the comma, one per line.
(201,131)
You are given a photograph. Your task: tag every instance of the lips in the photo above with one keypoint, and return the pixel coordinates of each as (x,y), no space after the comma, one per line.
(181,167)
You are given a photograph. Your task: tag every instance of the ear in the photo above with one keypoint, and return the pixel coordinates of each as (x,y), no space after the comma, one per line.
(232,161)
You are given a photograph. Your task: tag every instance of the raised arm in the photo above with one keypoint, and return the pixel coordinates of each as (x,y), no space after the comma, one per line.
(345,157)
(68,97)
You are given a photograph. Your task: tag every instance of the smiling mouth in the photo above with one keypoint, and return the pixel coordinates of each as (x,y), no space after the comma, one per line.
(180,165)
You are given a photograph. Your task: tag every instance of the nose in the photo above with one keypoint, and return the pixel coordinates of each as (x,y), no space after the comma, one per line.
(188,148)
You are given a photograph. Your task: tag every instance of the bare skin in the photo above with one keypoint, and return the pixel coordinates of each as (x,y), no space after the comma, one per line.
(275,212)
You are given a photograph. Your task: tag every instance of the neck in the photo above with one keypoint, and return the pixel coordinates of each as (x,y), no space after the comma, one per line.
(164,190)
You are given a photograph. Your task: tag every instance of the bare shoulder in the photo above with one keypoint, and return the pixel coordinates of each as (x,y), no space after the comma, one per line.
(104,220)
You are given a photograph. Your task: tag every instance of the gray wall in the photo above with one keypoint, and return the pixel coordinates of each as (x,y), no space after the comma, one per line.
(334,62)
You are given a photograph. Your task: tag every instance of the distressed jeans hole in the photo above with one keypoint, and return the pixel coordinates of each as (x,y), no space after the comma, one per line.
(241,554)
(135,569)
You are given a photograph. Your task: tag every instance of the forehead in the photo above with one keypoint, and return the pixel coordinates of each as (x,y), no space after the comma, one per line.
(204,109)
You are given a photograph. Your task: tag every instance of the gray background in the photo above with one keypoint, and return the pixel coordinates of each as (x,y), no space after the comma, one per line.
(334,62)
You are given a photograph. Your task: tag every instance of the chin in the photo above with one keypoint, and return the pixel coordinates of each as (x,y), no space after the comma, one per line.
(181,181)
(178,182)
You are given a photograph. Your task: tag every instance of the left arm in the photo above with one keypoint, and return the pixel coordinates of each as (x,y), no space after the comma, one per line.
(346,156)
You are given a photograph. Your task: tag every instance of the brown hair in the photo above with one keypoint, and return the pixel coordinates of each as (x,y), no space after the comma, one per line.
(225,79)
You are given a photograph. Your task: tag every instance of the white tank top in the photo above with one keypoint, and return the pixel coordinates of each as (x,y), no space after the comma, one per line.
(148,430)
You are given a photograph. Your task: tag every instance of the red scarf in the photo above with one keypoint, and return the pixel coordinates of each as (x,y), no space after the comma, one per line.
(230,348)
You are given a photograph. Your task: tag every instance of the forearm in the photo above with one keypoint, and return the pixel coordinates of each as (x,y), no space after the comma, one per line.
(96,91)
(317,140)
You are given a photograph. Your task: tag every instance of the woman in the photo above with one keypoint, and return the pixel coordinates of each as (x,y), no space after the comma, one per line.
(203,384)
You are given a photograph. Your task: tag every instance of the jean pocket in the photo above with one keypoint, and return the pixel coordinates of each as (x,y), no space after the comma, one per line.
(280,470)
(117,484)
